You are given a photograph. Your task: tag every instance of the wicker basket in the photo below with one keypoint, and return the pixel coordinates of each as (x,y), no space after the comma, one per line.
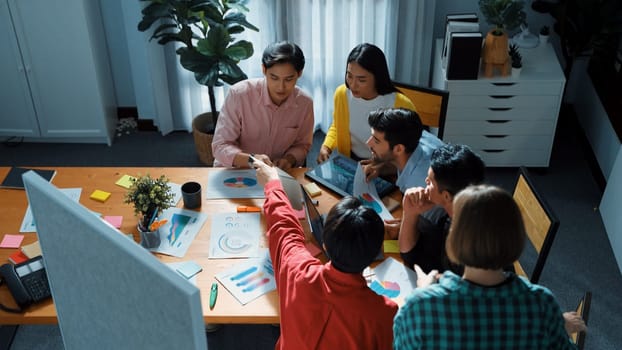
(203,140)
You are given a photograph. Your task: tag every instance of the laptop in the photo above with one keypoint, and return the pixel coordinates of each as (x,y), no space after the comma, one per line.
(316,223)
(316,220)
(292,188)
(337,173)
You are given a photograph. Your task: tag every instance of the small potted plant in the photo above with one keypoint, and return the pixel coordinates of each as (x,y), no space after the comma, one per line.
(517,60)
(505,15)
(544,35)
(150,197)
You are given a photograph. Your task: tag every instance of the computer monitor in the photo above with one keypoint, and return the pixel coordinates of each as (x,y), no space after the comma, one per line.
(109,291)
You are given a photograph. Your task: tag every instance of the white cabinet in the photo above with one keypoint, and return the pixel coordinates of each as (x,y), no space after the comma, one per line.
(508,121)
(56,81)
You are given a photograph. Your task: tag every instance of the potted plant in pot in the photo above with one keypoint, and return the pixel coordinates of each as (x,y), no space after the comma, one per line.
(150,197)
(505,15)
(206,31)
(544,35)
(517,60)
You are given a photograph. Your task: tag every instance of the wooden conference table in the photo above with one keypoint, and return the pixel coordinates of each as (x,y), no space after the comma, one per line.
(265,309)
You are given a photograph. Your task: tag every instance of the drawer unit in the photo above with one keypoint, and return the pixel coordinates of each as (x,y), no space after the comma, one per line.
(508,121)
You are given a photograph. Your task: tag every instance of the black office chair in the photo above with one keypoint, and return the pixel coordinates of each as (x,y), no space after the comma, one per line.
(431,104)
(541,223)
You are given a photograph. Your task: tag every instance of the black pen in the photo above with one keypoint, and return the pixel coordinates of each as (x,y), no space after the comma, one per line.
(213,295)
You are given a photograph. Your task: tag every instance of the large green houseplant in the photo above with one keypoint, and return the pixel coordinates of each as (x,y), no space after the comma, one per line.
(206,30)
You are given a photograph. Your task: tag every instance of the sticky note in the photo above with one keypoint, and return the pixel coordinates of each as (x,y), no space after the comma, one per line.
(189,269)
(125,181)
(114,220)
(100,195)
(391,246)
(32,250)
(11,241)
(313,189)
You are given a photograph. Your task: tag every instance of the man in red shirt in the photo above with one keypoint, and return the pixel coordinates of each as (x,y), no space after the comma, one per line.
(326,306)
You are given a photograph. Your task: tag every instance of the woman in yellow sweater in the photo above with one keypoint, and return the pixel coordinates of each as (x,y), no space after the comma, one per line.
(367,87)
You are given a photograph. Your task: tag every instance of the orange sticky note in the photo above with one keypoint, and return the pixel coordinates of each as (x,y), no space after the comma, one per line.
(100,195)
(247,209)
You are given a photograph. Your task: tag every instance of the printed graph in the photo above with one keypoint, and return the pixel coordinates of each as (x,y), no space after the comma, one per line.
(178,225)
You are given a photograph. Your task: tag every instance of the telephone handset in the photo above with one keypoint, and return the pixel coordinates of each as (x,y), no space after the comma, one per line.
(27,282)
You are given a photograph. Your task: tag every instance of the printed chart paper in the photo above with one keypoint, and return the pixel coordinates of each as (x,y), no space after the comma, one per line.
(235,235)
(28,223)
(227,183)
(393,279)
(179,231)
(249,279)
(367,193)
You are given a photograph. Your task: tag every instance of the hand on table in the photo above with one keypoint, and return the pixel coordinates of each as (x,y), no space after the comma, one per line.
(392,228)
(286,163)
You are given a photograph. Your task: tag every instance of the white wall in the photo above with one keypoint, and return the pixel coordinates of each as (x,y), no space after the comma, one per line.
(118,51)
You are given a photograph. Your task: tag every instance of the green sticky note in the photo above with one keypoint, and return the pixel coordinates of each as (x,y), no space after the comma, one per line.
(391,246)
(125,181)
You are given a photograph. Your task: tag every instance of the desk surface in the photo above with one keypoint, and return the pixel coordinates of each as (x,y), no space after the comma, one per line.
(13,204)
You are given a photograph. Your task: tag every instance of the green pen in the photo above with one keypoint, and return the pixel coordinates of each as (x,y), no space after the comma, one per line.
(213,295)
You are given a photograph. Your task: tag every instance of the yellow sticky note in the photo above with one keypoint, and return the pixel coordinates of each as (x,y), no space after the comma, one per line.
(125,181)
(100,195)
(313,189)
(391,246)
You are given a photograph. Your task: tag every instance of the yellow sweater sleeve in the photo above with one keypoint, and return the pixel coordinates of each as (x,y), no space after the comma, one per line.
(339,132)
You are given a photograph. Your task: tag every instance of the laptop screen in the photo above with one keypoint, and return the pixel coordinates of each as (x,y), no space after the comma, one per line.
(316,223)
(316,220)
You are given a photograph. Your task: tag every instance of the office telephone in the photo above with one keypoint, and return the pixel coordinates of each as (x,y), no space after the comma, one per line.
(27,282)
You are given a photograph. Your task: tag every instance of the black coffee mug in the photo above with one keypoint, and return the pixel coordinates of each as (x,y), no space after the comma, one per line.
(191,194)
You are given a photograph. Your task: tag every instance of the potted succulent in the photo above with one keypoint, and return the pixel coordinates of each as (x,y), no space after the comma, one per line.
(206,31)
(150,197)
(517,60)
(505,15)
(544,35)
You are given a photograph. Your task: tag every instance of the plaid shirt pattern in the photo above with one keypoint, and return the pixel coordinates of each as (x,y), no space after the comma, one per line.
(457,314)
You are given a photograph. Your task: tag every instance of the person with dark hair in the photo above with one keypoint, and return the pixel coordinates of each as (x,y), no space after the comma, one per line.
(398,141)
(326,306)
(269,117)
(427,212)
(367,87)
(486,307)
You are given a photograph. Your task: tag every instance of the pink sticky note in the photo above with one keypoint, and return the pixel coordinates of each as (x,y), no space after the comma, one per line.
(114,220)
(11,241)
